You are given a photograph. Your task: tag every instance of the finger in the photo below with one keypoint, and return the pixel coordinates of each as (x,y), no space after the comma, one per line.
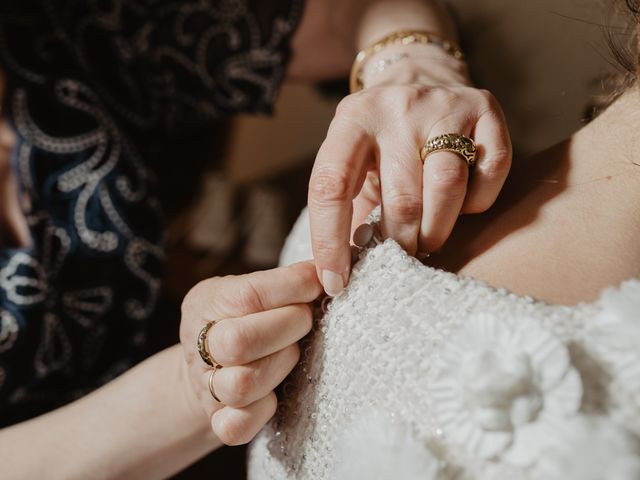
(368,199)
(401,189)
(238,341)
(445,178)
(338,175)
(493,163)
(242,385)
(224,297)
(237,426)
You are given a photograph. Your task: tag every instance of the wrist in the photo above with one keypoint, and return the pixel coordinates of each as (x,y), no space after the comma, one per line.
(424,66)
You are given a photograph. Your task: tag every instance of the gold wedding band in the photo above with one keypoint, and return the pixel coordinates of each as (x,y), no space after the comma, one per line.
(203,347)
(451,142)
(211,389)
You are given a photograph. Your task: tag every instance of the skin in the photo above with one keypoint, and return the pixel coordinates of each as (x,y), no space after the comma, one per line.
(569,218)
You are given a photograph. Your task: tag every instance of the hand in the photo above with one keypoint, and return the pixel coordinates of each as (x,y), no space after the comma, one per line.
(260,318)
(371,157)
(13,224)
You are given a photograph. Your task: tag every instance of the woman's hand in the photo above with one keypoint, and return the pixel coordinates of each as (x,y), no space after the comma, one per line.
(371,157)
(260,318)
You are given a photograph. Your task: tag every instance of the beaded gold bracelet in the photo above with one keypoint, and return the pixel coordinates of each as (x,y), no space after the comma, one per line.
(405,37)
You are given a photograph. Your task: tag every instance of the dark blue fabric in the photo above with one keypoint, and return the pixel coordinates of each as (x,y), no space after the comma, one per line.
(90,84)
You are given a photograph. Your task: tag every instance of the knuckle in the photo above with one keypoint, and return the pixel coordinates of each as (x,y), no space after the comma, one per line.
(230,431)
(189,298)
(349,106)
(403,207)
(308,278)
(235,342)
(248,297)
(242,383)
(485,95)
(450,179)
(324,248)
(488,105)
(443,96)
(202,293)
(189,309)
(497,165)
(329,186)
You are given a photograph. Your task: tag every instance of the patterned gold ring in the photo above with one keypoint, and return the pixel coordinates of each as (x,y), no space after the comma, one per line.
(211,389)
(451,142)
(203,348)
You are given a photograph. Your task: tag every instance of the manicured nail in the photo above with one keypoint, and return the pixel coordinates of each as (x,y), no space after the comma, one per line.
(332,283)
(423,255)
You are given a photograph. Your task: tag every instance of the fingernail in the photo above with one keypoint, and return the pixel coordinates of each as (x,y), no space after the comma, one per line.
(423,255)
(332,283)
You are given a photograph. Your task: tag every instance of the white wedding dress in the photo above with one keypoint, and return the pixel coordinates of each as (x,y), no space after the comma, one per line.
(415,373)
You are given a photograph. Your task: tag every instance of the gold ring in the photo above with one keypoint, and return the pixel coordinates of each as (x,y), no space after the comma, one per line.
(451,142)
(203,348)
(211,390)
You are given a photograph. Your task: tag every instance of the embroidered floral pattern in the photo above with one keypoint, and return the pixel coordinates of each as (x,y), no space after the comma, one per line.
(88,82)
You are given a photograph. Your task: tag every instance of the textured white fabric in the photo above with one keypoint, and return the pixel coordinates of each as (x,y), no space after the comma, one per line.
(489,384)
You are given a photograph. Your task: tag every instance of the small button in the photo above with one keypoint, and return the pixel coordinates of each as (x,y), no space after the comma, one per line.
(363,235)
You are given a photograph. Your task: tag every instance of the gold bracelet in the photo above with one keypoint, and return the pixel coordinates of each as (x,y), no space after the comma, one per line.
(405,37)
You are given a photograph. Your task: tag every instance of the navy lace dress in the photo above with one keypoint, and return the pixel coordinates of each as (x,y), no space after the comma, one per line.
(90,84)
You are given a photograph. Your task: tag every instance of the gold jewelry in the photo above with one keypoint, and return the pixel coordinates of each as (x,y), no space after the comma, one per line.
(203,347)
(211,389)
(405,37)
(451,142)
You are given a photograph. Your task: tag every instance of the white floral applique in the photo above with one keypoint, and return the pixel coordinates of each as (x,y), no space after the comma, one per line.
(614,336)
(589,448)
(500,385)
(377,446)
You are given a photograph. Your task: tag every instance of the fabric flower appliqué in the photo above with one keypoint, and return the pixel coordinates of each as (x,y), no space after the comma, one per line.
(500,385)
(378,447)
(615,337)
(589,448)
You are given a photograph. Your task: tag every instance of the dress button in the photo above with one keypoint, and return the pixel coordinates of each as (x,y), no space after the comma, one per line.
(363,235)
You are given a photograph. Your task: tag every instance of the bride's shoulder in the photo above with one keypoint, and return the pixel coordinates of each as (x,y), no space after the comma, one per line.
(553,234)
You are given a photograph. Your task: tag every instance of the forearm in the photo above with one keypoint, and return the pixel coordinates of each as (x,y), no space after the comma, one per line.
(382,17)
(141,425)
(333,31)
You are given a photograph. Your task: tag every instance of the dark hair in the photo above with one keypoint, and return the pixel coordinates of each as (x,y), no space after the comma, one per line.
(623,41)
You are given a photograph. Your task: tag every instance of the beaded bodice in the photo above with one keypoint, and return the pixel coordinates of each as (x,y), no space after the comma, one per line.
(417,373)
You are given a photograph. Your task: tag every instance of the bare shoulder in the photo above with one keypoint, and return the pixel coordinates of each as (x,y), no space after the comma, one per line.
(550,237)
